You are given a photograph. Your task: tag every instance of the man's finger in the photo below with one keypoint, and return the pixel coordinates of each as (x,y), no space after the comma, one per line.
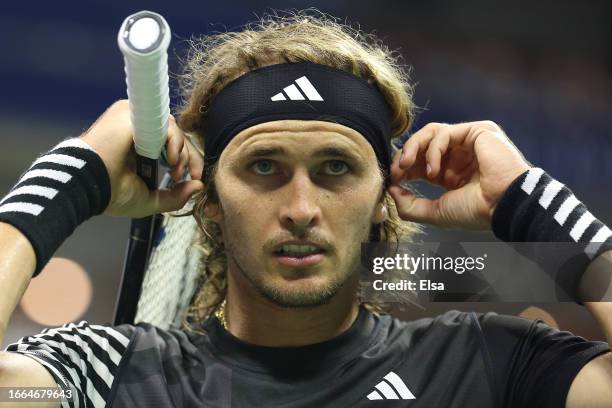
(423,153)
(196,162)
(174,143)
(179,169)
(408,154)
(418,143)
(416,171)
(413,208)
(176,197)
(435,151)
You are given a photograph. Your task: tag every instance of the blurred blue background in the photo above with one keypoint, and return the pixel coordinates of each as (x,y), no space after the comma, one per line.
(542,70)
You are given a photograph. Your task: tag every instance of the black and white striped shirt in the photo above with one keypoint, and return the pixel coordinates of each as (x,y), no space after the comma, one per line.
(458,359)
(83,357)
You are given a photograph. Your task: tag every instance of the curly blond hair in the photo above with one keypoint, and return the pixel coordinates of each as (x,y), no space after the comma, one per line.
(289,37)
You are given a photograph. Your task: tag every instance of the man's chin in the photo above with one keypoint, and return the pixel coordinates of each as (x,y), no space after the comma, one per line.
(300,293)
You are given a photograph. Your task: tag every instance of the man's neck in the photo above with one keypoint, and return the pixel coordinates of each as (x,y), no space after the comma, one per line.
(256,320)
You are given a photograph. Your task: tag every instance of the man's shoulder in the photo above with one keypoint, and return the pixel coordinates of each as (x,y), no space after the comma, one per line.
(456,319)
(79,334)
(83,357)
(451,319)
(116,340)
(456,325)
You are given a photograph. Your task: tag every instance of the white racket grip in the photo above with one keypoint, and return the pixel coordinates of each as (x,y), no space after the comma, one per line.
(143,39)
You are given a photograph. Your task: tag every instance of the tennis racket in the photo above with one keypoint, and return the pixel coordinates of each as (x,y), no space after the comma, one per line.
(143,39)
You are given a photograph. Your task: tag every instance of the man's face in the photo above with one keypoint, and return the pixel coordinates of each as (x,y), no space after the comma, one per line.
(312,182)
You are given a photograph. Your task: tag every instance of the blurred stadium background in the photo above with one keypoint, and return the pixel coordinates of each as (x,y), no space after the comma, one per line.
(542,70)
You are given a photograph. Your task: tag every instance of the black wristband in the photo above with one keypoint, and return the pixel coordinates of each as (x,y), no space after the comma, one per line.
(538,208)
(61,189)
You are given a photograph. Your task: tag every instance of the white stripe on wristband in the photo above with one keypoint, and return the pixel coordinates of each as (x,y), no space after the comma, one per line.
(566,209)
(27,208)
(62,159)
(74,142)
(531,181)
(57,175)
(600,237)
(33,190)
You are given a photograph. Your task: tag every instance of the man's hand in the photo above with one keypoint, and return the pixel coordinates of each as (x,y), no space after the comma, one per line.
(111,136)
(475,162)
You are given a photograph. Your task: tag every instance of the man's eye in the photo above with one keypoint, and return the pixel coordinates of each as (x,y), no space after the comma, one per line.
(336,167)
(263,167)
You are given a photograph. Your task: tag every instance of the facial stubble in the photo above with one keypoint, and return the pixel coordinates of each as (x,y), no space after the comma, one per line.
(295,298)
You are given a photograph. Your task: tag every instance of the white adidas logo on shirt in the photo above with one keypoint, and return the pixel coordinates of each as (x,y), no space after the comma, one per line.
(309,92)
(391,387)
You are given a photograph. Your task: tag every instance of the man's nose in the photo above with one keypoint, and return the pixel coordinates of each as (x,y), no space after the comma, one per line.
(300,209)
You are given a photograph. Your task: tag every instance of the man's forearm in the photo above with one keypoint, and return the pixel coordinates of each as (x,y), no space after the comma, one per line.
(17,263)
(602,311)
(597,284)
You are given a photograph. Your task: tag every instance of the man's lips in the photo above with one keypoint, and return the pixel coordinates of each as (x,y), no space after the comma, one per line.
(300,261)
(297,259)
(277,248)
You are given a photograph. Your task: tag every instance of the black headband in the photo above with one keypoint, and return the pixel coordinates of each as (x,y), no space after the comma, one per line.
(298,91)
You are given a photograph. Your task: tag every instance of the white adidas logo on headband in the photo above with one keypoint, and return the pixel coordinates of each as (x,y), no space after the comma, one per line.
(294,94)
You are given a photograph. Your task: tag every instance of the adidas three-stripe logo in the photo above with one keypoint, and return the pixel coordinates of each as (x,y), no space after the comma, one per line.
(391,387)
(292,92)
(570,214)
(30,182)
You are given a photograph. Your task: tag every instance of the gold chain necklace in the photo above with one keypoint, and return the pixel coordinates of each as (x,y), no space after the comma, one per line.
(220,314)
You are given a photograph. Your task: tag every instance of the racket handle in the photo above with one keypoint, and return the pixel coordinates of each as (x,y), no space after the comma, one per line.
(143,39)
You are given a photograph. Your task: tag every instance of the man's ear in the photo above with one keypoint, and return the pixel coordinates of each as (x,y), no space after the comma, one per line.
(380,213)
(214,212)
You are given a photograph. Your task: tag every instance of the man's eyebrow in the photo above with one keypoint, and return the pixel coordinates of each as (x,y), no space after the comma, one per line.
(265,152)
(330,151)
(336,152)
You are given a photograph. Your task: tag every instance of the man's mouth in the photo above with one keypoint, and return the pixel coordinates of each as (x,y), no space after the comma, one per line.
(299,255)
(298,250)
